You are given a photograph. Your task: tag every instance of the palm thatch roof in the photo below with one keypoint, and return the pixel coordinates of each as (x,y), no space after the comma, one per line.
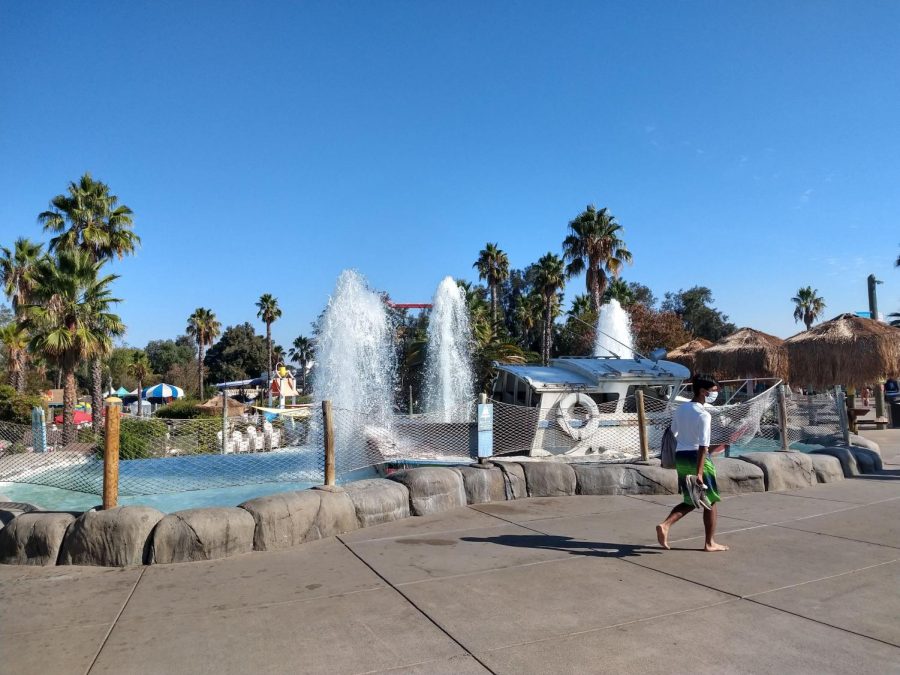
(745,353)
(686,353)
(847,350)
(215,403)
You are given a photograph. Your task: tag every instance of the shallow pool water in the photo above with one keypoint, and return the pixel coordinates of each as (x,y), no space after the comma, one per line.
(58,499)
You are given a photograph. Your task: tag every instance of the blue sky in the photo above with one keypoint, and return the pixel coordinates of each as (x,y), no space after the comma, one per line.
(264,147)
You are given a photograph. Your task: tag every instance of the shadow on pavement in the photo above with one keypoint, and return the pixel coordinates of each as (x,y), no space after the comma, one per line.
(567,545)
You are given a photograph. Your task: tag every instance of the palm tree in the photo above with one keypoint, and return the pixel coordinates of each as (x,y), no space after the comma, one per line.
(594,246)
(14,339)
(18,270)
(107,325)
(301,353)
(550,280)
(493,267)
(68,304)
(90,218)
(808,307)
(269,312)
(204,328)
(139,369)
(618,289)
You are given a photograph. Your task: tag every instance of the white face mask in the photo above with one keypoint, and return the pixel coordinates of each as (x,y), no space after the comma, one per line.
(711,397)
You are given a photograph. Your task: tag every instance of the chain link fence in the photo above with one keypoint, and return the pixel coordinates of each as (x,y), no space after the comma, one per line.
(159,456)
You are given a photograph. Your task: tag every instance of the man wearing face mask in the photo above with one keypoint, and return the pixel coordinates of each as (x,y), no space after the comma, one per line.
(691,426)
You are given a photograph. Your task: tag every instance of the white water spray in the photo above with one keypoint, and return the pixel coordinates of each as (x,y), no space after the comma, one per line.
(354,352)
(614,332)
(449,382)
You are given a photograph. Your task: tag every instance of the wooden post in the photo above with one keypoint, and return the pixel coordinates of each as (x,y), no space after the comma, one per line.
(879,405)
(328,427)
(111,458)
(642,425)
(783,419)
(840,402)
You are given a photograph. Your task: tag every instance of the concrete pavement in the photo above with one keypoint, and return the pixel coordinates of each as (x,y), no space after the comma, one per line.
(547,585)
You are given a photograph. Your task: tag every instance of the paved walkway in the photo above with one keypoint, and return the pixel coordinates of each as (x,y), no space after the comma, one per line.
(572,584)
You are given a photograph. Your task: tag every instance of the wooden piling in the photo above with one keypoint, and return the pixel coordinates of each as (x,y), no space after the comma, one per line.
(111,458)
(328,427)
(783,419)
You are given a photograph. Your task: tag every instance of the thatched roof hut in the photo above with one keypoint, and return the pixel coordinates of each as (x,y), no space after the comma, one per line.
(744,353)
(847,350)
(686,353)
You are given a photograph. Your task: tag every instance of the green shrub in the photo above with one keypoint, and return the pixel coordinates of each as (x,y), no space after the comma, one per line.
(141,439)
(196,436)
(183,409)
(16,407)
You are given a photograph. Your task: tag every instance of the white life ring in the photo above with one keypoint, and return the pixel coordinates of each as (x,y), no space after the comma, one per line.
(564,415)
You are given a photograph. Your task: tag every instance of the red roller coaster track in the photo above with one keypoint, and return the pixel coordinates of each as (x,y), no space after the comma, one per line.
(410,305)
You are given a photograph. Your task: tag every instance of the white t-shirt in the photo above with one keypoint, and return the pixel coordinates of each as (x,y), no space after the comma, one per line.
(691,426)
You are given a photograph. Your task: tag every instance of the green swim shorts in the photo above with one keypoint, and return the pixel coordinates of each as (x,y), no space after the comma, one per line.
(686,465)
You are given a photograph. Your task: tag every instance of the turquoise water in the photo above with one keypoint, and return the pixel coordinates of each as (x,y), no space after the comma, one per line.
(768,445)
(58,499)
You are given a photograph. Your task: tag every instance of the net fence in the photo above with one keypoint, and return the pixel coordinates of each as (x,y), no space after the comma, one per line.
(159,456)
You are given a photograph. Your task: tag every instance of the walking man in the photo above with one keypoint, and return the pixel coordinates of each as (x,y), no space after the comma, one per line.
(691,426)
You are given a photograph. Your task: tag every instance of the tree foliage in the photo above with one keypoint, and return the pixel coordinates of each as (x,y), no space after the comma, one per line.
(698,318)
(240,354)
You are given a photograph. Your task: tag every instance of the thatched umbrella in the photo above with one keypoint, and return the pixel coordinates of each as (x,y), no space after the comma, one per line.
(745,353)
(847,350)
(214,404)
(686,353)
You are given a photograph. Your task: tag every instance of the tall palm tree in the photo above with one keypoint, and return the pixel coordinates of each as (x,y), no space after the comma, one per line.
(808,306)
(14,340)
(18,268)
(204,328)
(301,353)
(108,326)
(550,280)
(139,369)
(493,267)
(89,218)
(269,312)
(69,302)
(618,289)
(594,246)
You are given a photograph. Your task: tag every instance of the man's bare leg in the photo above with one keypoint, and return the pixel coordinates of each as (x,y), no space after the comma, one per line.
(709,524)
(662,530)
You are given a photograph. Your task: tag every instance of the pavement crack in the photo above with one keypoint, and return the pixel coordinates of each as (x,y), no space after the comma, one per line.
(116,620)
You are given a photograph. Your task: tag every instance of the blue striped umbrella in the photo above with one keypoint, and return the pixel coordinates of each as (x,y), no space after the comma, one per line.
(162,392)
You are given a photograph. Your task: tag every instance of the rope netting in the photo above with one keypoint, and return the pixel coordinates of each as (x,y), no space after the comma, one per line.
(159,456)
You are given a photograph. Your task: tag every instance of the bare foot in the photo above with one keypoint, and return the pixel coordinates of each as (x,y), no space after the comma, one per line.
(712,547)
(662,535)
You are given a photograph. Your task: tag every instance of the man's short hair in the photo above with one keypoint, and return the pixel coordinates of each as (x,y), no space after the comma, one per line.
(703,381)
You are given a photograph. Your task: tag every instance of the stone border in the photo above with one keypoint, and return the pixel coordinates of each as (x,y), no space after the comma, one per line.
(136,535)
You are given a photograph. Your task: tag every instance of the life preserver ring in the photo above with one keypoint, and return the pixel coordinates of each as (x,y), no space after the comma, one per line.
(564,415)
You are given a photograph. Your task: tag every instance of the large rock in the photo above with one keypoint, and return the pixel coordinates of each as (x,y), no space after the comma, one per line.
(623,479)
(9,510)
(828,469)
(287,519)
(867,460)
(483,483)
(783,470)
(114,538)
(549,479)
(734,477)
(202,534)
(843,455)
(378,500)
(432,489)
(514,477)
(862,442)
(34,538)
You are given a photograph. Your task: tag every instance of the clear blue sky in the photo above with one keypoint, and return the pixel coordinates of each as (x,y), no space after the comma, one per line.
(264,147)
